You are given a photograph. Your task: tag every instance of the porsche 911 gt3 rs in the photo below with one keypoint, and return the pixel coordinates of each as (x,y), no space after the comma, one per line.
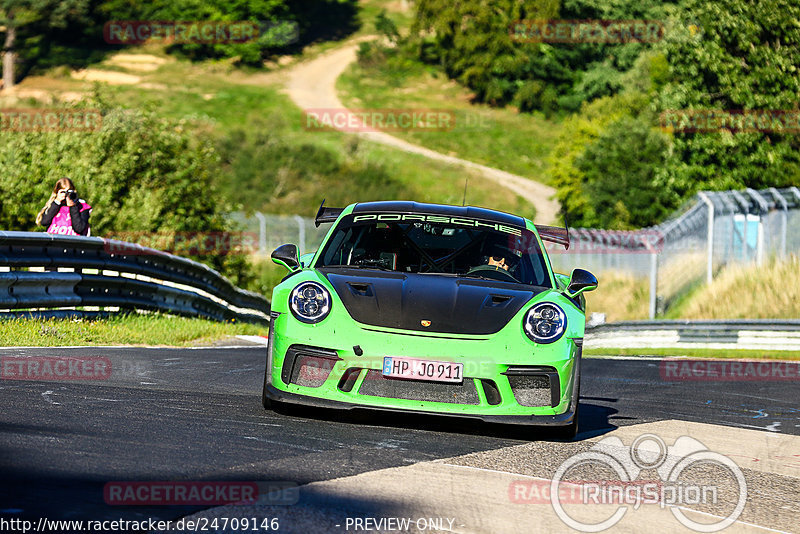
(429,308)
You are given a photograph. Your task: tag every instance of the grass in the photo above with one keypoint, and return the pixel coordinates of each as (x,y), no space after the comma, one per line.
(768,291)
(620,296)
(737,292)
(369,10)
(272,164)
(501,138)
(698,353)
(150,329)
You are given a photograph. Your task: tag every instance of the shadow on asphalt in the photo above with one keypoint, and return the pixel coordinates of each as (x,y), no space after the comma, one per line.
(594,420)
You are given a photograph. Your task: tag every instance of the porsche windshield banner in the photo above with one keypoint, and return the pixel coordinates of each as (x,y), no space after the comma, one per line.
(438,219)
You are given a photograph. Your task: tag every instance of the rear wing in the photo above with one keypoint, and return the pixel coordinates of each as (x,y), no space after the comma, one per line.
(326,215)
(554,234)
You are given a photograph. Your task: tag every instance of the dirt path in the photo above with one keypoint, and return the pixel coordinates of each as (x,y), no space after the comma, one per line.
(313,85)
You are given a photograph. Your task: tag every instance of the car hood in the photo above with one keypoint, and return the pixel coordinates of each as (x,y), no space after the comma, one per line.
(428,302)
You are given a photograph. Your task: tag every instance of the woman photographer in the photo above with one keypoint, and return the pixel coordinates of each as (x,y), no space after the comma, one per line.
(64,213)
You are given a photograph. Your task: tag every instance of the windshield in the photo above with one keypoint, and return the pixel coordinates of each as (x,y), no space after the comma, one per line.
(436,245)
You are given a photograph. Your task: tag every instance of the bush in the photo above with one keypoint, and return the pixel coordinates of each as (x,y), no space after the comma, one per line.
(140,173)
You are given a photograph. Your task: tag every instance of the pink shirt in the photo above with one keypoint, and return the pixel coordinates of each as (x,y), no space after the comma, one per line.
(62,222)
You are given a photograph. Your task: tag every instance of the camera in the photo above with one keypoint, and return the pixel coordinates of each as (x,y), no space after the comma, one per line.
(72,195)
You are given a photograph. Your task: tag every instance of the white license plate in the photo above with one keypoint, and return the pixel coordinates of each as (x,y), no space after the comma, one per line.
(414,369)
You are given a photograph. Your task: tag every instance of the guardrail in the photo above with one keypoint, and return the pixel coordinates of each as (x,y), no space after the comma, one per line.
(755,334)
(110,273)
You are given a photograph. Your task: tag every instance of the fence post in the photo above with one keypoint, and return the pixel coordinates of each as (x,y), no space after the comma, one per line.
(262,233)
(784,218)
(653,283)
(729,255)
(763,209)
(710,236)
(301,224)
(745,205)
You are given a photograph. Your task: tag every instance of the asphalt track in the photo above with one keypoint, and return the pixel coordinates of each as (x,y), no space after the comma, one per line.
(195,414)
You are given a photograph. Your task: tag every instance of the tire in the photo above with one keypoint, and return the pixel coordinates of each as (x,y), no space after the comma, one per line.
(266,402)
(570,431)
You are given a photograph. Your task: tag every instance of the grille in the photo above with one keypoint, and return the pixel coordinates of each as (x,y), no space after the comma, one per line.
(376,385)
(531,390)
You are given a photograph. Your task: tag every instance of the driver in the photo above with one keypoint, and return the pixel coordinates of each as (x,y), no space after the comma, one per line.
(498,261)
(498,258)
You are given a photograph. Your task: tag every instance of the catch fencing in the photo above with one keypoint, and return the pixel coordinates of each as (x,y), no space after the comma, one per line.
(276,230)
(713,230)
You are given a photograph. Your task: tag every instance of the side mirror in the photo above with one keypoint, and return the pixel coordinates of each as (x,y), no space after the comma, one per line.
(579,282)
(286,255)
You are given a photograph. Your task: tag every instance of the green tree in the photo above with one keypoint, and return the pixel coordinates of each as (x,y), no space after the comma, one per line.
(141,174)
(285,26)
(33,18)
(473,41)
(747,57)
(619,169)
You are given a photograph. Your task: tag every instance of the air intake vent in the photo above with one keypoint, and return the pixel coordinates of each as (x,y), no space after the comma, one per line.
(376,385)
(308,366)
(535,385)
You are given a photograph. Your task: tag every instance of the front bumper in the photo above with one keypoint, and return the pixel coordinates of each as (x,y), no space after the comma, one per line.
(348,380)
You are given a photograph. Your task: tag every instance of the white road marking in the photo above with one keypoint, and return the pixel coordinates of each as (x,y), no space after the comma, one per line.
(46,396)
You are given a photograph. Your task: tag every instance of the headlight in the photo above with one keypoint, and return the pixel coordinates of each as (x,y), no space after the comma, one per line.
(310,302)
(545,323)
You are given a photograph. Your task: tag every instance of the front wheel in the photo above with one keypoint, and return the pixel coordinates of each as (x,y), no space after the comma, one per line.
(266,401)
(569,432)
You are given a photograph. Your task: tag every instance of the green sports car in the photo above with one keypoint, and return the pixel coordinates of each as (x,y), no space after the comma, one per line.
(432,309)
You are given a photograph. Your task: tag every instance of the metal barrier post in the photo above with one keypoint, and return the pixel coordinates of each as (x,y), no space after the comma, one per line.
(653,283)
(262,233)
(763,210)
(301,225)
(784,217)
(746,207)
(710,237)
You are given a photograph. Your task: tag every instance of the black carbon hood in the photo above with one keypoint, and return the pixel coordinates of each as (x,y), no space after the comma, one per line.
(406,300)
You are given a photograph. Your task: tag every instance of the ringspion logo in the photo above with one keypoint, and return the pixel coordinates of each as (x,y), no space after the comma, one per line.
(676,488)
